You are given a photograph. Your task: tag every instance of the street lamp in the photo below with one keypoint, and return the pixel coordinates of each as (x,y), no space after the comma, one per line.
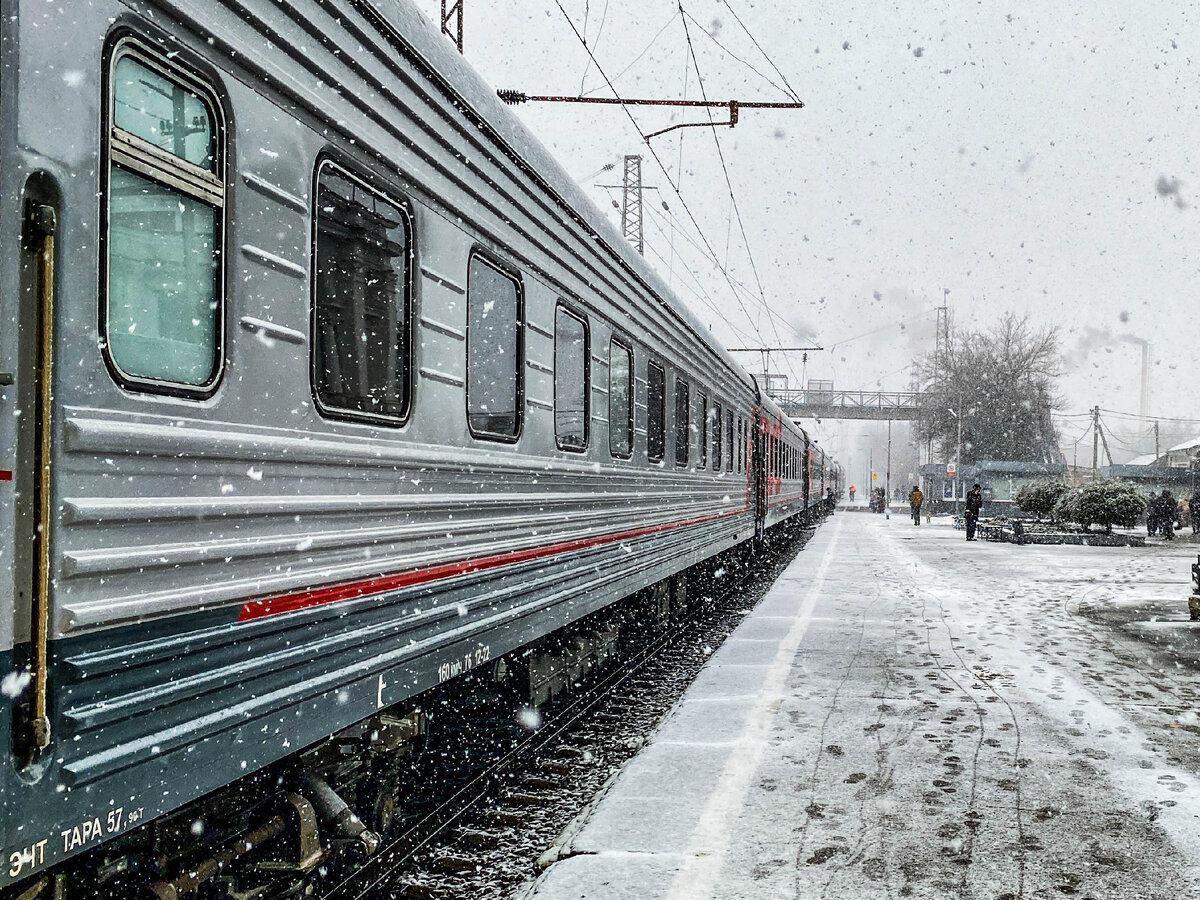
(958,452)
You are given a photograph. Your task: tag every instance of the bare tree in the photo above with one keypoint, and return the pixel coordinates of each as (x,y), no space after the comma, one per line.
(1000,384)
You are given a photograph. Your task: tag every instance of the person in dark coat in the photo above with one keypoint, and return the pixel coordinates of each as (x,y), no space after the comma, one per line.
(1194,512)
(1152,514)
(974,507)
(1166,515)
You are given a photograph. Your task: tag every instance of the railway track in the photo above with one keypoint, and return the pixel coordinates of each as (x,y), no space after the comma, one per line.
(480,831)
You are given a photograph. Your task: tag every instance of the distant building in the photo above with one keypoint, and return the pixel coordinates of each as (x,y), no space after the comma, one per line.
(1146,459)
(1173,470)
(1156,478)
(999,479)
(1181,455)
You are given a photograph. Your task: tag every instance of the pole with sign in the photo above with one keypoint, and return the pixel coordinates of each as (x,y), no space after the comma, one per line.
(887,477)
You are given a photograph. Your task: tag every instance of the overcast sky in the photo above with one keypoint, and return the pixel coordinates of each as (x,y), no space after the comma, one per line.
(1040,158)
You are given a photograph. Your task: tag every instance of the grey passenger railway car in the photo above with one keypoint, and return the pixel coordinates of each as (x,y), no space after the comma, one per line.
(320,384)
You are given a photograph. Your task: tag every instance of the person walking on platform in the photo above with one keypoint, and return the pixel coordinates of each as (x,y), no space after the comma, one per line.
(852,490)
(974,507)
(1166,515)
(915,499)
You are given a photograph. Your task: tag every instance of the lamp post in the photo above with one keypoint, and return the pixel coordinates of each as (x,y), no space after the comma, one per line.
(957,452)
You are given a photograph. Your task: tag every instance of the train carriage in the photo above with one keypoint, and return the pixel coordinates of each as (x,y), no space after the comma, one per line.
(327,385)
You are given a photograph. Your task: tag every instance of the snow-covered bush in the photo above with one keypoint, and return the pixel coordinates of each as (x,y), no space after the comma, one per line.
(1040,497)
(1067,507)
(1107,503)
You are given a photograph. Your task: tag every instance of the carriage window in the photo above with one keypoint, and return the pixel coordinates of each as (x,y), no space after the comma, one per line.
(733,448)
(166,197)
(683,423)
(656,412)
(736,436)
(360,299)
(702,430)
(493,352)
(620,399)
(715,422)
(570,380)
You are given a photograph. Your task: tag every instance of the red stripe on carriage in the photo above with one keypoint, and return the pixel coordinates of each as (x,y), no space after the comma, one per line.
(271,606)
(5,475)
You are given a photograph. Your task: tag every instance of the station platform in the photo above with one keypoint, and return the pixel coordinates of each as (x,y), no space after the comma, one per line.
(910,715)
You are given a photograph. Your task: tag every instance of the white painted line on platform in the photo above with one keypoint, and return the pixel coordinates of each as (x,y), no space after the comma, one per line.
(710,839)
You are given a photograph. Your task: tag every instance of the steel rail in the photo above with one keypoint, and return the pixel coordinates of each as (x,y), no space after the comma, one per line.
(370,875)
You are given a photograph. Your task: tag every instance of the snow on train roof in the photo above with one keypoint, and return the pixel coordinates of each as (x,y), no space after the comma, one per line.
(429,44)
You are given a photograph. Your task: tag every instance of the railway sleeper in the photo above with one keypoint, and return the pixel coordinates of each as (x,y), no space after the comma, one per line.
(505,815)
(418,890)
(478,838)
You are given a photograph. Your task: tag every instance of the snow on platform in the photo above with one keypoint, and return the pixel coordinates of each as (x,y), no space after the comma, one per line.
(910,715)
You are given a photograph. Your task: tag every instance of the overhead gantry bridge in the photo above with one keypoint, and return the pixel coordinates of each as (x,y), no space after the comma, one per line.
(896,406)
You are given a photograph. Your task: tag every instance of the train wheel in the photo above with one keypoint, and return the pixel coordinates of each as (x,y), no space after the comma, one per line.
(378,802)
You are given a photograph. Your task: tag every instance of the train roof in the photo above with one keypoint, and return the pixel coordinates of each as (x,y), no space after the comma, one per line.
(427,43)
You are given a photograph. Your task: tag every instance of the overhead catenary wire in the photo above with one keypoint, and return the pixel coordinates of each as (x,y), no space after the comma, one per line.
(724,168)
(638,58)
(703,296)
(701,292)
(653,216)
(737,283)
(771,317)
(790,90)
(767,78)
(599,33)
(657,160)
(687,71)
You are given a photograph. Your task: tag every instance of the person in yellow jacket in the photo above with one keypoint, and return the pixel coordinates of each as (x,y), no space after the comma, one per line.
(915,499)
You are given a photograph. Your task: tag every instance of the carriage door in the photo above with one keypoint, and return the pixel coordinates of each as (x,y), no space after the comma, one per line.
(28,398)
(758,463)
(804,465)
